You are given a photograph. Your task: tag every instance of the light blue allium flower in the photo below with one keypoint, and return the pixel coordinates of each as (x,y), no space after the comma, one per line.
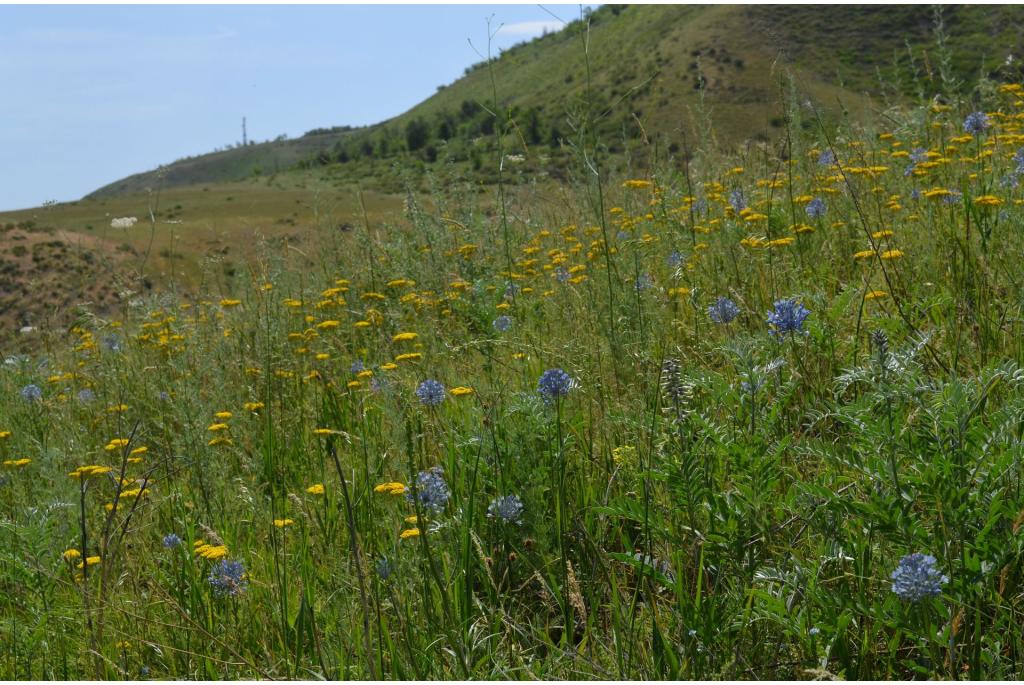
(431,491)
(508,509)
(737,201)
(976,122)
(644,282)
(86,396)
(723,310)
(787,317)
(1018,159)
(562,274)
(917,577)
(383,568)
(31,393)
(827,158)
(502,323)
(171,540)
(227,578)
(357,367)
(554,383)
(815,208)
(112,342)
(430,392)
(675,259)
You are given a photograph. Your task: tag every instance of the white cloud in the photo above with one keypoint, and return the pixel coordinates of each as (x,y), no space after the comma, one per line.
(530,28)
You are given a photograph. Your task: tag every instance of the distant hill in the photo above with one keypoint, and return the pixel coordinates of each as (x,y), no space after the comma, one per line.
(657,72)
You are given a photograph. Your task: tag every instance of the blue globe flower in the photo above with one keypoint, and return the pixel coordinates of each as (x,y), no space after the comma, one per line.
(554,383)
(787,317)
(723,310)
(976,122)
(644,282)
(171,540)
(917,577)
(227,578)
(502,323)
(816,208)
(112,342)
(1018,159)
(432,491)
(508,509)
(737,201)
(31,393)
(430,392)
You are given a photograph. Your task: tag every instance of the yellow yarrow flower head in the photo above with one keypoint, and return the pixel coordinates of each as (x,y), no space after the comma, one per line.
(85,472)
(624,455)
(391,488)
(210,552)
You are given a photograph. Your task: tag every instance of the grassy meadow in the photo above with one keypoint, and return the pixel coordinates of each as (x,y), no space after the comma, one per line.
(755,415)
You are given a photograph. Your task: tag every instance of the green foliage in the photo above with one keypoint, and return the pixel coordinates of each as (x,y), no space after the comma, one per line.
(713,497)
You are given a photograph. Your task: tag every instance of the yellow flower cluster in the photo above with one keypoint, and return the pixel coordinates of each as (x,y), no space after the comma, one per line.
(209,552)
(390,488)
(85,472)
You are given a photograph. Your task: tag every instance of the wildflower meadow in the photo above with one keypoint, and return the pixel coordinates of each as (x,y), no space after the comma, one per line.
(754,414)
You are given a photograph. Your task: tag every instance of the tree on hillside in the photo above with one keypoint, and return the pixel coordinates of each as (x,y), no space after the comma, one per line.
(417,133)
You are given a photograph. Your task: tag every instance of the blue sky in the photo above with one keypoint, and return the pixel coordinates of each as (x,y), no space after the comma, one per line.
(94,93)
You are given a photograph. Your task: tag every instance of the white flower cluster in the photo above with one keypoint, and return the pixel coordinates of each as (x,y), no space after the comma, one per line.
(123,222)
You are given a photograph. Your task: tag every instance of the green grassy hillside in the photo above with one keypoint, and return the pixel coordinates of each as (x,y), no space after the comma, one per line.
(758,416)
(656,72)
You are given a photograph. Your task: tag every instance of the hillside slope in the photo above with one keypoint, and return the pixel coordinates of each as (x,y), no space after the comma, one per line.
(659,72)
